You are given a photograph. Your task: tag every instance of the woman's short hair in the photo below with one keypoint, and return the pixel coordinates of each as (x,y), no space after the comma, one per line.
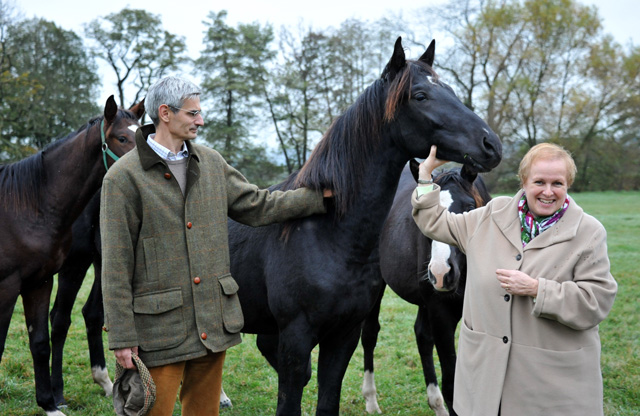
(547,151)
(172,91)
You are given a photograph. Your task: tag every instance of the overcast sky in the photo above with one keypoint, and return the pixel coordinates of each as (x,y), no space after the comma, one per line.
(185,19)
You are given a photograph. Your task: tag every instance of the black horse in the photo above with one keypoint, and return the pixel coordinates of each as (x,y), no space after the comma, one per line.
(40,198)
(309,282)
(426,273)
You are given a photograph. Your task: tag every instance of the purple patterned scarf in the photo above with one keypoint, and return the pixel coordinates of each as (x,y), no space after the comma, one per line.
(532,226)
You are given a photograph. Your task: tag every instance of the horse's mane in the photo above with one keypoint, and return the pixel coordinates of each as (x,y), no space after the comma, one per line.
(21,182)
(478,190)
(339,160)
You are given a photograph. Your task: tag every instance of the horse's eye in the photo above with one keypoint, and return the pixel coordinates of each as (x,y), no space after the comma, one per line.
(122,139)
(420,96)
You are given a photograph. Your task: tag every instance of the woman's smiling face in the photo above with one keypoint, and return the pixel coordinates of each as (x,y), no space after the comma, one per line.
(546,186)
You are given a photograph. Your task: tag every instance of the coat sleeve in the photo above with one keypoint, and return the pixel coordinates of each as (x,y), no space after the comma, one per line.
(253,206)
(437,223)
(119,226)
(587,299)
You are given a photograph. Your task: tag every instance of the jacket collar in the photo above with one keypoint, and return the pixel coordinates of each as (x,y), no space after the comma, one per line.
(149,158)
(507,220)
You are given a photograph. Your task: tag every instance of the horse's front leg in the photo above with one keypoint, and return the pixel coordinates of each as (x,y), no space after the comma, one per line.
(93,312)
(336,351)
(450,312)
(425,341)
(69,282)
(294,358)
(36,308)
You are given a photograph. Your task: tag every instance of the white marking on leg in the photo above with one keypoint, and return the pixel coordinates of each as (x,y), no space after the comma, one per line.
(436,401)
(101,378)
(370,393)
(225,401)
(55,413)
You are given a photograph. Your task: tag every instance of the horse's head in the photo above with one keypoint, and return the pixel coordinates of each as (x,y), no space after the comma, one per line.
(460,192)
(426,111)
(118,129)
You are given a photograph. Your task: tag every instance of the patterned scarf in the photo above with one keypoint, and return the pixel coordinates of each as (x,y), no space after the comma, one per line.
(532,226)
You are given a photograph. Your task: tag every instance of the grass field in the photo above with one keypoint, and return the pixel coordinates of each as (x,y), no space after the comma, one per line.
(252,384)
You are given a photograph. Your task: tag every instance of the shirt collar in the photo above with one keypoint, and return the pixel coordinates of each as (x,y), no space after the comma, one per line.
(165,153)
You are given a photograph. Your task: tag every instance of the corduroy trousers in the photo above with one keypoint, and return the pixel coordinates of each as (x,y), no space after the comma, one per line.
(201,381)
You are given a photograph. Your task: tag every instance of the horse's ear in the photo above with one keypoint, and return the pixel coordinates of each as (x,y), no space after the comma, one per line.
(414,167)
(110,109)
(138,109)
(467,174)
(429,55)
(396,63)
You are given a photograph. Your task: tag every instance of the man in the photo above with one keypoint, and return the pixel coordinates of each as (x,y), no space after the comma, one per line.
(168,293)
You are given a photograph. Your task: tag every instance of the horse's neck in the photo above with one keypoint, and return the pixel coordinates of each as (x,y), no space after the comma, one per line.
(74,173)
(365,219)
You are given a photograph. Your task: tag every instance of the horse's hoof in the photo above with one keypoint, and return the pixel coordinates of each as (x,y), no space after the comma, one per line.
(226,403)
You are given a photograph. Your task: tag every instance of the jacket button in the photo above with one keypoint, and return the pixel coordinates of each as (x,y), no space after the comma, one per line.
(519,256)
(189,225)
(505,339)
(507,298)
(167,175)
(203,335)
(196,280)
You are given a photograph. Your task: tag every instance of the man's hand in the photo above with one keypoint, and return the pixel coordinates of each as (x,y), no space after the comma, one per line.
(123,356)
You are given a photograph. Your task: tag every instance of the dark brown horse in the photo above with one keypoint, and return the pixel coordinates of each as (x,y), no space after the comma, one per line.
(315,286)
(40,198)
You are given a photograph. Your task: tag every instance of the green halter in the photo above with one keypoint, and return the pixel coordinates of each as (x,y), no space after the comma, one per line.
(105,149)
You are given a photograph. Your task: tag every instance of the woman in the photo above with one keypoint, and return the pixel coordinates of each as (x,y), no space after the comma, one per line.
(538,285)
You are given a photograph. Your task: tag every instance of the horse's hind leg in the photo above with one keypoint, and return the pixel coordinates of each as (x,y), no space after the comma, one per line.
(336,351)
(36,308)
(424,339)
(369,339)
(93,312)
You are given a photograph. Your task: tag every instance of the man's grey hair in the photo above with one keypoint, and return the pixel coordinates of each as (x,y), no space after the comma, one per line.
(172,91)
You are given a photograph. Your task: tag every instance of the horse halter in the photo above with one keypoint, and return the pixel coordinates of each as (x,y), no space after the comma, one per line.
(105,148)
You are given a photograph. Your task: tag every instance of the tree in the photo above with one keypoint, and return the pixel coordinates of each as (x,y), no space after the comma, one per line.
(233,68)
(47,85)
(531,68)
(135,46)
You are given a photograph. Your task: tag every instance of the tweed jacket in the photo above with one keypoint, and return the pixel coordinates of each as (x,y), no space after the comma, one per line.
(526,357)
(166,279)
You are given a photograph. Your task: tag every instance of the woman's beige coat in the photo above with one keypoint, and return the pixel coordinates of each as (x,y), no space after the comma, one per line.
(528,357)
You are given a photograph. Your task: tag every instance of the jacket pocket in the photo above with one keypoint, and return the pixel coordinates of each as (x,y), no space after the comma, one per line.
(150,259)
(232,316)
(159,320)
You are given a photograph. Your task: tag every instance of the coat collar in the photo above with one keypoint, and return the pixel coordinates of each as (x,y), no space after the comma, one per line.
(149,158)
(507,220)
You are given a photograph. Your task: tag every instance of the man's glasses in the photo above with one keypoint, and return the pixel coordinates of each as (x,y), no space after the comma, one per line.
(193,113)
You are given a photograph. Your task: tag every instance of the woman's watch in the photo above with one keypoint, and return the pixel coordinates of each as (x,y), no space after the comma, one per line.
(425,181)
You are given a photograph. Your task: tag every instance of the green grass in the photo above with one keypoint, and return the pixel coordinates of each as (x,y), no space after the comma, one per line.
(252,384)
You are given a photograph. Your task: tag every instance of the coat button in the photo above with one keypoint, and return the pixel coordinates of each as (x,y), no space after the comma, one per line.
(196,280)
(167,175)
(507,298)
(203,335)
(519,256)
(189,225)
(505,339)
